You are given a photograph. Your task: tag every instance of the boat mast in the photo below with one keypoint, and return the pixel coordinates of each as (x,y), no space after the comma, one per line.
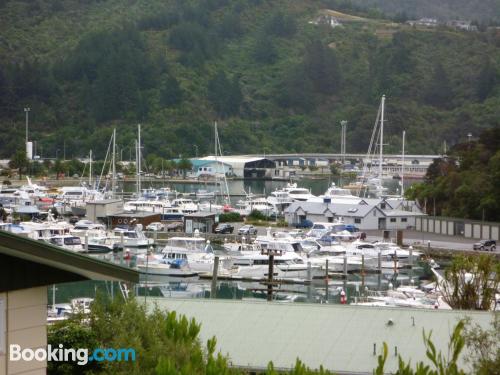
(90,169)
(382,104)
(403,166)
(138,161)
(113,166)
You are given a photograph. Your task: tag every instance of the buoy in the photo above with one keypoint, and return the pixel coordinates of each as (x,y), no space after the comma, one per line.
(343,299)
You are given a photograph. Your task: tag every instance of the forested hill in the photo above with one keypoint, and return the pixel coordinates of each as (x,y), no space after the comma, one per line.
(479,11)
(274,80)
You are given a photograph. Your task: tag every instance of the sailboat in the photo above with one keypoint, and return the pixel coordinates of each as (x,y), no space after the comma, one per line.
(372,179)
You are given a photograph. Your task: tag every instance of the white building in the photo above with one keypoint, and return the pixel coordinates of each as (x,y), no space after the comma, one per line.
(367,214)
(247,166)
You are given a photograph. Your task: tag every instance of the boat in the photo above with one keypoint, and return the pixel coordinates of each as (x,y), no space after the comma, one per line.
(186,205)
(66,241)
(287,265)
(166,267)
(297,193)
(280,199)
(133,237)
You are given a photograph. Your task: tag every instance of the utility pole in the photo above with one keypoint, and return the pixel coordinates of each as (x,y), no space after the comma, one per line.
(28,151)
(343,125)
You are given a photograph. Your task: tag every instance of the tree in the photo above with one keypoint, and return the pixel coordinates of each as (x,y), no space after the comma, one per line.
(439,91)
(486,81)
(470,282)
(485,347)
(264,51)
(321,66)
(225,94)
(441,364)
(20,162)
(171,93)
(184,165)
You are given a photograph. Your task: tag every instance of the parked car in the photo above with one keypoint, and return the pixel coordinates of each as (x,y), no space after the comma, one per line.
(304,224)
(351,228)
(485,245)
(174,227)
(155,226)
(224,228)
(247,230)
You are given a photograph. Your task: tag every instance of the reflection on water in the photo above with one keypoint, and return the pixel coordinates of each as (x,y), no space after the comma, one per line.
(319,291)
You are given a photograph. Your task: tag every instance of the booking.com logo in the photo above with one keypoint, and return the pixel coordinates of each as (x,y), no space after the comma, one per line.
(60,354)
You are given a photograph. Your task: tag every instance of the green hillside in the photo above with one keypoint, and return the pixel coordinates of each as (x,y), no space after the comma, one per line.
(274,81)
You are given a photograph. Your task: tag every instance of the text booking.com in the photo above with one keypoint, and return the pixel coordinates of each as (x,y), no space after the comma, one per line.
(61,354)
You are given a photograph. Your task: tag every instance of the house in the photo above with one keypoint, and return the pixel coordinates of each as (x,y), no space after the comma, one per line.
(26,268)
(367,214)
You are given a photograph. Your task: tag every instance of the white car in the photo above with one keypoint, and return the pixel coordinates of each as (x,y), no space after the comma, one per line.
(155,226)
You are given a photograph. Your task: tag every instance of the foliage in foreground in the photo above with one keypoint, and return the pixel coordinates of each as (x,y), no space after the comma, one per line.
(168,344)
(471,282)
(441,364)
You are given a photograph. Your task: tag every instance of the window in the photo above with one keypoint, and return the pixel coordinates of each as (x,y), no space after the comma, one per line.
(393,219)
(357,221)
(374,212)
(330,219)
(404,219)
(382,206)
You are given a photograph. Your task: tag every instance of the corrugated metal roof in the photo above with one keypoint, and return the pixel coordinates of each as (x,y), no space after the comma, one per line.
(341,338)
(317,208)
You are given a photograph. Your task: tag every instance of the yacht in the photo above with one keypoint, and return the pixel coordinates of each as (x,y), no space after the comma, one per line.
(287,265)
(66,241)
(147,205)
(280,199)
(298,193)
(186,205)
(133,237)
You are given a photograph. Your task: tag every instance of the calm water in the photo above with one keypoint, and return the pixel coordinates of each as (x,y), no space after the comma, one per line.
(240,187)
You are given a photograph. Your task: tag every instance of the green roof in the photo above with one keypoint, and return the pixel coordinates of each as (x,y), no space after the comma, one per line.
(26,263)
(341,338)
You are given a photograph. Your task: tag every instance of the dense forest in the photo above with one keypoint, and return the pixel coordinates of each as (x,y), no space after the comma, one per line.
(466,182)
(274,80)
(481,12)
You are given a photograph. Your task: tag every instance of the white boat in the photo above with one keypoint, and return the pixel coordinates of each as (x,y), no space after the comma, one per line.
(256,204)
(287,265)
(280,199)
(166,267)
(66,241)
(133,237)
(147,206)
(186,205)
(297,193)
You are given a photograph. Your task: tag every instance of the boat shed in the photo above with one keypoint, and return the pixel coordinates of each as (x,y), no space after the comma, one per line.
(132,218)
(26,268)
(204,222)
(248,166)
(99,210)
(342,338)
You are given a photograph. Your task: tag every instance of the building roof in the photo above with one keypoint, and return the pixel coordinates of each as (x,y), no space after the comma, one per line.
(318,208)
(402,213)
(200,215)
(339,337)
(26,263)
(201,162)
(136,214)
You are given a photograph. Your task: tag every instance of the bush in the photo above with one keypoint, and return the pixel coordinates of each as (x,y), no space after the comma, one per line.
(230,217)
(256,215)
